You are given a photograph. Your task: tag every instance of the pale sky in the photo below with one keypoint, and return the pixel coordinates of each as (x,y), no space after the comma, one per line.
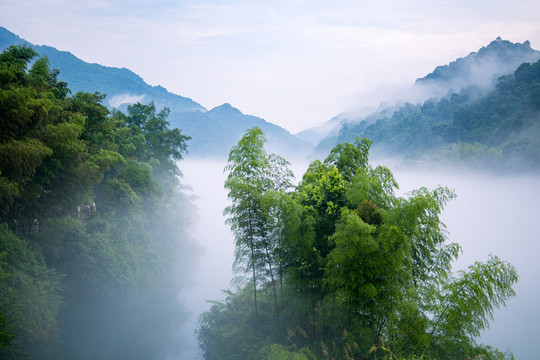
(295,63)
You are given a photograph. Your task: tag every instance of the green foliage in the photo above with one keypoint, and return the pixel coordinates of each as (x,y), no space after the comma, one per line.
(5,336)
(13,63)
(363,273)
(29,293)
(257,183)
(96,220)
(279,352)
(163,146)
(348,158)
(469,300)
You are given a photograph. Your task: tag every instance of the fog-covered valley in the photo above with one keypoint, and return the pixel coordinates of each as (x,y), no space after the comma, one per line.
(107,252)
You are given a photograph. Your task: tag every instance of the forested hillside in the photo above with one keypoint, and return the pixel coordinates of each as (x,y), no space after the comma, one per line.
(342,268)
(213,132)
(497,130)
(122,86)
(92,221)
(481,68)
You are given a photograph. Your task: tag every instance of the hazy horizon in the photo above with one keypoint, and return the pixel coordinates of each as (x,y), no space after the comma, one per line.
(295,64)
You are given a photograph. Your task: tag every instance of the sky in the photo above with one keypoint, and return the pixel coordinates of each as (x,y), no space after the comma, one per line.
(295,63)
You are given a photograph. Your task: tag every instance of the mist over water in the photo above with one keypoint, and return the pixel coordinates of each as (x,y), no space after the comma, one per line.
(491,215)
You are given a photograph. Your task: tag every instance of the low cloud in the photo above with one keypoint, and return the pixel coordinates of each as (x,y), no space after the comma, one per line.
(120,99)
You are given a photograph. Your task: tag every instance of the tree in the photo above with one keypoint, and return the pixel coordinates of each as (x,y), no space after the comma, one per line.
(466,303)
(257,183)
(163,146)
(363,273)
(92,220)
(247,180)
(29,295)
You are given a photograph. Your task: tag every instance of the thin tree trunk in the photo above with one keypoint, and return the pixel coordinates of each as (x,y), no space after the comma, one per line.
(254,278)
(272,278)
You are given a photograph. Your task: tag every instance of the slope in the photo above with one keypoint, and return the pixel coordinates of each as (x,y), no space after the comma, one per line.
(213,133)
(216,131)
(468,78)
(500,129)
(121,85)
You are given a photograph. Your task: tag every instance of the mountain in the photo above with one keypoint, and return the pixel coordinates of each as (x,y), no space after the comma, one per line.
(213,132)
(216,131)
(480,68)
(497,130)
(331,128)
(121,85)
(325,135)
(406,129)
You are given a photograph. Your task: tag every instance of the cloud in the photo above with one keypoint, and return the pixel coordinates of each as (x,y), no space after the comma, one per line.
(120,99)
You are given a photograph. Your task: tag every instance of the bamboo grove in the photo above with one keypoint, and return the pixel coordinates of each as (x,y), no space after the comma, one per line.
(339,267)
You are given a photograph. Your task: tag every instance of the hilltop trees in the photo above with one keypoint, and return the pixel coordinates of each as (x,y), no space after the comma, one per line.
(90,222)
(363,273)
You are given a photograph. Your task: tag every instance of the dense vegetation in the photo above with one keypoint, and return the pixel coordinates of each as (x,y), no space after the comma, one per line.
(92,221)
(497,130)
(342,268)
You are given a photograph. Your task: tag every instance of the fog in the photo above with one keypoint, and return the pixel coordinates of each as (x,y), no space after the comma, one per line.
(492,214)
(495,215)
(214,270)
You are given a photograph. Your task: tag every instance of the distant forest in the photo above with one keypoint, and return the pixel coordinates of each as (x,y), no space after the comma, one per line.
(92,221)
(497,130)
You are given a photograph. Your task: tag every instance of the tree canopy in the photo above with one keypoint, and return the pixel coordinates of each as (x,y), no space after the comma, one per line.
(92,220)
(363,273)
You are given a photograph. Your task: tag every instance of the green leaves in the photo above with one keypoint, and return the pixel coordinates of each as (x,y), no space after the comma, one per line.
(348,158)
(91,198)
(13,63)
(19,159)
(363,273)
(468,301)
(367,265)
(29,293)
(162,146)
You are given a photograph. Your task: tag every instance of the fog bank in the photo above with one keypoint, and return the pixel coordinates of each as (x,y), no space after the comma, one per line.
(214,270)
(495,215)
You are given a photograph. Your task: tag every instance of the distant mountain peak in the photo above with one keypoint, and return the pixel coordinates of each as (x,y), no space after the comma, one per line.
(226,108)
(479,71)
(481,68)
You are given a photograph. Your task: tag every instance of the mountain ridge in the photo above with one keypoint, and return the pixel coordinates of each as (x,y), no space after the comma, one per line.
(213,132)
(499,130)
(481,68)
(478,72)
(112,81)
(220,136)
